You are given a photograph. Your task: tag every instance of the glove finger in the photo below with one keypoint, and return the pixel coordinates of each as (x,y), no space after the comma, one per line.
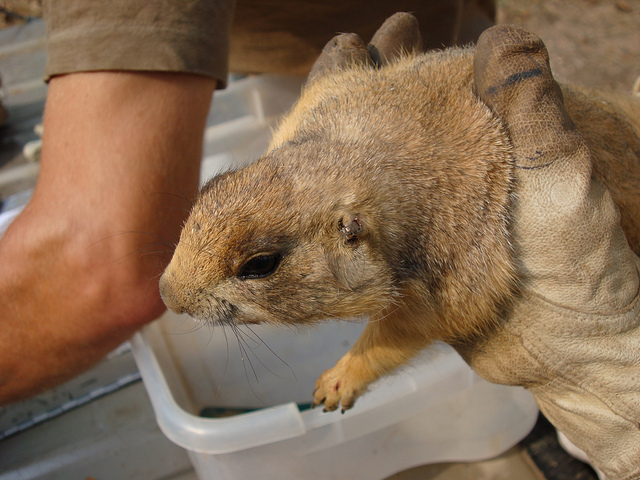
(341,51)
(513,77)
(398,35)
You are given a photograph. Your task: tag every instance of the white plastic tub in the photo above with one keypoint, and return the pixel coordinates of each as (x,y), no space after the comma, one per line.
(433,411)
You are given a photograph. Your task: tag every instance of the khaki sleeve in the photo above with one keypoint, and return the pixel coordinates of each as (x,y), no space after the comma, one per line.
(189,36)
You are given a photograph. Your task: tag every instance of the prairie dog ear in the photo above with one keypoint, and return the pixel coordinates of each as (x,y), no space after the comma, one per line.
(398,35)
(348,264)
(350,227)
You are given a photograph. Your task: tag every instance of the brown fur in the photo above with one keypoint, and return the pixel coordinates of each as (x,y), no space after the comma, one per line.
(387,194)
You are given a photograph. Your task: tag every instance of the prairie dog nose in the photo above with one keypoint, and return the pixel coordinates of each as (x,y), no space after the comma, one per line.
(168,292)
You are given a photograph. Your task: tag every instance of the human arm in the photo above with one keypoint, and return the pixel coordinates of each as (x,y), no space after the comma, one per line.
(120,164)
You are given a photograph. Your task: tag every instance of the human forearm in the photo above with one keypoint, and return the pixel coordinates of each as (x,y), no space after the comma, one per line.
(120,164)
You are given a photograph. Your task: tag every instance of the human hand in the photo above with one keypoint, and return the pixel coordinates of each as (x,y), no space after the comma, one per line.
(572,336)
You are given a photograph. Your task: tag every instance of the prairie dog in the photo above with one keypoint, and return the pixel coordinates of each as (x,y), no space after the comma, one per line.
(385,193)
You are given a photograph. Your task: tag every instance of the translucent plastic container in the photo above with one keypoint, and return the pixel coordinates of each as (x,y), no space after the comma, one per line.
(258,381)
(433,411)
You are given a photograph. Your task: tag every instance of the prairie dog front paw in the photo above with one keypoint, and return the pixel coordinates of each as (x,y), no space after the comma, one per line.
(342,384)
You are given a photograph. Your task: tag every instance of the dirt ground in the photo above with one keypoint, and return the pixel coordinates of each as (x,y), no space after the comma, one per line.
(593,43)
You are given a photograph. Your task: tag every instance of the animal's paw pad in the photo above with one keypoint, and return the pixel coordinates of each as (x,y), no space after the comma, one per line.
(338,387)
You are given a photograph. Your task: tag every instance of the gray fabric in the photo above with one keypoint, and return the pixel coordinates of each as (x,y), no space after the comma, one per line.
(160,35)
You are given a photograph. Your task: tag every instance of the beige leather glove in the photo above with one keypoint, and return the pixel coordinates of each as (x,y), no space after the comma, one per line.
(573,335)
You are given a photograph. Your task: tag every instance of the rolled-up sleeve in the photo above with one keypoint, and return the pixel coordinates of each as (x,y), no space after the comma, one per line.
(190,36)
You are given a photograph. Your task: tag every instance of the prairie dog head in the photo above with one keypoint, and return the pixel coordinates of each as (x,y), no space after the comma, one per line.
(265,244)
(382,186)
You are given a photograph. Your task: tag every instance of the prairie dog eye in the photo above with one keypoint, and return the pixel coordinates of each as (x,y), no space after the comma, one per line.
(260,266)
